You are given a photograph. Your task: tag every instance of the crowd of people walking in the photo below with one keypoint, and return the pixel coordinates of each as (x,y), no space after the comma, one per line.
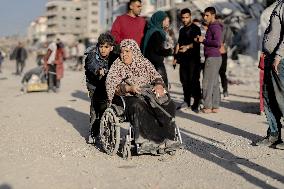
(156,43)
(209,39)
(138,54)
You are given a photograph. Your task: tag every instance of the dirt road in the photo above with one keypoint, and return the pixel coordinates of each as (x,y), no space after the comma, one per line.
(42,143)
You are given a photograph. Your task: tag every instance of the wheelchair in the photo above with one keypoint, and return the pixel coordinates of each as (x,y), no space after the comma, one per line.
(113,119)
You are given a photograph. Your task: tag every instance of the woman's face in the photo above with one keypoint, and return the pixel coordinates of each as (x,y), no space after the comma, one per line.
(166,23)
(126,55)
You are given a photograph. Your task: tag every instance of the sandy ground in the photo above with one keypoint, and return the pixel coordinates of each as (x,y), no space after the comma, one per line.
(42,142)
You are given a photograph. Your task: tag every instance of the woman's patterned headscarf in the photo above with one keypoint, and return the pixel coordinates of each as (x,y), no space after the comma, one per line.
(134,47)
(131,44)
(140,72)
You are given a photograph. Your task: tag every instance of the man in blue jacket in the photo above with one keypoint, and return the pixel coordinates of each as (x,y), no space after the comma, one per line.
(213,61)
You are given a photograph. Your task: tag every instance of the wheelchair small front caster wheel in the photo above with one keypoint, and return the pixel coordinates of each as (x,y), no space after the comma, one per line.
(154,152)
(161,151)
(172,153)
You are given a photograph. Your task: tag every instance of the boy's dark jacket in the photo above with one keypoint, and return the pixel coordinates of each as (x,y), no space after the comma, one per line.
(94,62)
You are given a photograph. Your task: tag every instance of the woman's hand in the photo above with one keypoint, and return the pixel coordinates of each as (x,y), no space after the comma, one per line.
(184,48)
(275,65)
(159,90)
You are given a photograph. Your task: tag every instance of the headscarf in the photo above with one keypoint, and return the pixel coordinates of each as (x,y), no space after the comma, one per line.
(140,72)
(155,24)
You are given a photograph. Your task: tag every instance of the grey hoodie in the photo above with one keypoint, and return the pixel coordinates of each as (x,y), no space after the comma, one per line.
(273,42)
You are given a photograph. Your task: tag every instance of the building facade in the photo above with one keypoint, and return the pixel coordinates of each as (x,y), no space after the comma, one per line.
(70,20)
(65,20)
(37,30)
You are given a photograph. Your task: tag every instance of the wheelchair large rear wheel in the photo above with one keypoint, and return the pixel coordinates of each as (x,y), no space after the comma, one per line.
(110,131)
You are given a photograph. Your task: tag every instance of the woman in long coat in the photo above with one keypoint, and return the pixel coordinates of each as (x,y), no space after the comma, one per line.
(154,43)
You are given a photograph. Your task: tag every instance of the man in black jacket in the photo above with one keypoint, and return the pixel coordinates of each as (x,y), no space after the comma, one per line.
(188,56)
(20,55)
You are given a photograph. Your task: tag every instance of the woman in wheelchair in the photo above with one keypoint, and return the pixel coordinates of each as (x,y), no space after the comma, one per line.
(127,77)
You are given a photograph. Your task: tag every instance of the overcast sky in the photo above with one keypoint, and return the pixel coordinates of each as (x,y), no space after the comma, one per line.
(16,15)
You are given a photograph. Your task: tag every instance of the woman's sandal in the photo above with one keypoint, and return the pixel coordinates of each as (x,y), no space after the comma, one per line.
(215,110)
(206,111)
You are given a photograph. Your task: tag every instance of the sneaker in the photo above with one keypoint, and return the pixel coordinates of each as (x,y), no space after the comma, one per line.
(280,146)
(201,102)
(196,110)
(267,141)
(182,106)
(225,94)
(91,140)
(54,89)
(263,142)
(274,139)
(195,107)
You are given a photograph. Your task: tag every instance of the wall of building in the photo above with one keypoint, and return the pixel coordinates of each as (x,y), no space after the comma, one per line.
(71,20)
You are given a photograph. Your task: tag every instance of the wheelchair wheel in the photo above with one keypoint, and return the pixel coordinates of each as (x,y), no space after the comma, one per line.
(172,153)
(110,131)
